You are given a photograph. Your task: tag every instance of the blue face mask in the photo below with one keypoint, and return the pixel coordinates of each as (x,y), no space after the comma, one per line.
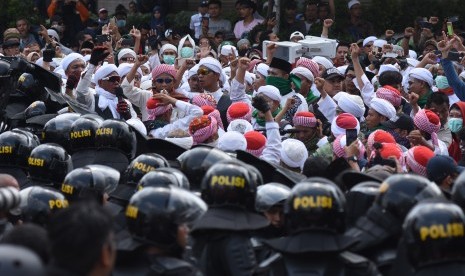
(187,52)
(455,124)
(169,59)
(120,23)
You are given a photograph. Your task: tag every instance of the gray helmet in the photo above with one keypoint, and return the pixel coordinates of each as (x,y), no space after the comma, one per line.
(19,261)
(271,194)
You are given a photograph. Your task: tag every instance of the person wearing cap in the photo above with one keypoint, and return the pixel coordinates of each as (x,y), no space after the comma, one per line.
(73,65)
(261,72)
(443,170)
(11,42)
(196,20)
(168,54)
(103,17)
(247,9)
(105,102)
(296,36)
(308,126)
(216,23)
(427,124)
(328,86)
(417,159)
(420,82)
(303,80)
(348,103)
(126,55)
(357,27)
(380,111)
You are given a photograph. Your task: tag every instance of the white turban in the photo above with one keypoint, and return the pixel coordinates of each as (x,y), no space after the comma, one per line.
(368,40)
(66,61)
(383,107)
(352,104)
(124,69)
(412,54)
(126,51)
(214,65)
(342,69)
(240,125)
(192,71)
(304,72)
(326,63)
(387,67)
(293,153)
(249,77)
(270,91)
(423,75)
(168,46)
(379,43)
(232,141)
(227,49)
(104,71)
(262,68)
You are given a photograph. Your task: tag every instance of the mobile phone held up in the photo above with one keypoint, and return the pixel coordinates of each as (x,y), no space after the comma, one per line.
(102,38)
(450,29)
(351,136)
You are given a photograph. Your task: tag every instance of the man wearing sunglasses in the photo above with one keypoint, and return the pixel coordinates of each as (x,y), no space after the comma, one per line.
(107,102)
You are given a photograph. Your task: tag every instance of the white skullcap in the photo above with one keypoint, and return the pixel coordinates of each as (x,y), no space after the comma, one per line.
(342,122)
(412,54)
(54,34)
(240,125)
(299,34)
(342,69)
(147,64)
(226,50)
(232,141)
(368,40)
(124,68)
(352,2)
(184,142)
(387,67)
(412,62)
(293,153)
(193,71)
(383,107)
(137,125)
(146,85)
(422,74)
(326,63)
(270,91)
(214,65)
(379,43)
(304,72)
(87,58)
(104,71)
(126,51)
(262,68)
(60,71)
(168,46)
(66,61)
(352,104)
(249,77)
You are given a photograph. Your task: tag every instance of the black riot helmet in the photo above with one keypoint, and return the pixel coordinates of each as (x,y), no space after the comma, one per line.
(15,148)
(49,163)
(180,176)
(36,108)
(57,130)
(143,164)
(82,134)
(400,192)
(228,185)
(158,179)
(315,206)
(458,191)
(434,232)
(195,163)
(19,261)
(91,182)
(271,194)
(153,216)
(359,200)
(117,134)
(255,175)
(4,69)
(29,87)
(39,203)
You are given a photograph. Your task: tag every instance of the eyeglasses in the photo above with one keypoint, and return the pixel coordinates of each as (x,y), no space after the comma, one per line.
(131,59)
(204,71)
(112,79)
(167,80)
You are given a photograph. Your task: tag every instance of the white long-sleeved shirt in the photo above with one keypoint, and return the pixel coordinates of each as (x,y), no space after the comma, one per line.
(272,151)
(137,96)
(367,91)
(85,97)
(327,107)
(191,111)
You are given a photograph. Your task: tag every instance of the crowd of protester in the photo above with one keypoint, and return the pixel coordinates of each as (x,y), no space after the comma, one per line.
(171,151)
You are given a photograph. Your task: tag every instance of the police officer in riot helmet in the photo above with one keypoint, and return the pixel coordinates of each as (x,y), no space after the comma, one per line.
(90,183)
(222,238)
(82,141)
(48,165)
(359,199)
(434,236)
(57,130)
(38,204)
(379,230)
(15,148)
(315,219)
(116,144)
(270,200)
(158,219)
(196,162)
